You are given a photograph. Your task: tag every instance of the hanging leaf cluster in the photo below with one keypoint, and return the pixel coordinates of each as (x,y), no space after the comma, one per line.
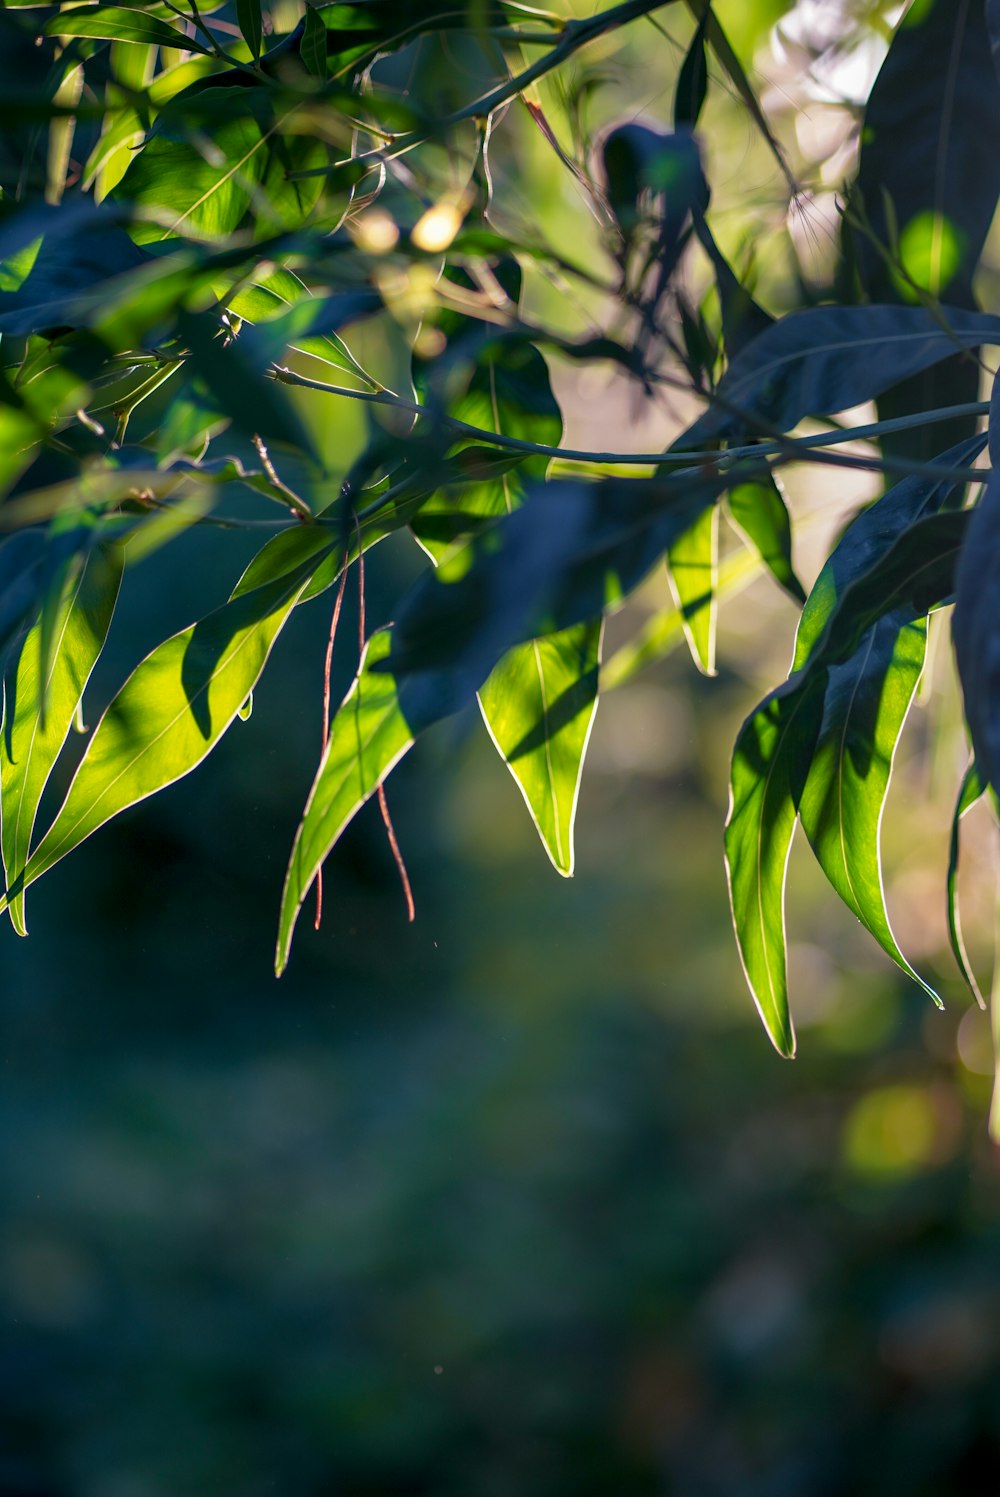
(206,210)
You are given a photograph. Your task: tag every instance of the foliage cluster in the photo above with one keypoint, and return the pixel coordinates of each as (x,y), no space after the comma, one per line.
(210,217)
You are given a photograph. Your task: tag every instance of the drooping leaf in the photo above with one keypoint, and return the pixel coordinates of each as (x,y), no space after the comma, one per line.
(828,359)
(693,570)
(312,47)
(369,735)
(868,540)
(976,630)
(177,704)
(119,23)
(770,759)
(539,704)
(539,700)
(251,25)
(759,512)
(742,319)
(664,632)
(692,80)
(866,701)
(972,790)
(575,549)
(30,743)
(925,196)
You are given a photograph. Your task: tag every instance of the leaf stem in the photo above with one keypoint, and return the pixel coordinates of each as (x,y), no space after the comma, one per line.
(789,446)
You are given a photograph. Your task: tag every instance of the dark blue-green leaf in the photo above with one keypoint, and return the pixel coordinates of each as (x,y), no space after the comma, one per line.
(828,359)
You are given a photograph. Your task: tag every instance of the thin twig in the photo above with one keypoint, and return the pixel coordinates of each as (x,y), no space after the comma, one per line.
(404,877)
(870,432)
(300,506)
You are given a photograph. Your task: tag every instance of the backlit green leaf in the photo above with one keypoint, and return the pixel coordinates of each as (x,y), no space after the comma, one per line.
(866,701)
(218,159)
(539,704)
(118,23)
(972,790)
(177,704)
(759,512)
(770,759)
(693,570)
(369,735)
(29,745)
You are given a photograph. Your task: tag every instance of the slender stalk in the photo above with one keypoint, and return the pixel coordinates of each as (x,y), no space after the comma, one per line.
(777,447)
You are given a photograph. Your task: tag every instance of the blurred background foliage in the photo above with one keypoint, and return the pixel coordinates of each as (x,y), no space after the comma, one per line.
(519,1199)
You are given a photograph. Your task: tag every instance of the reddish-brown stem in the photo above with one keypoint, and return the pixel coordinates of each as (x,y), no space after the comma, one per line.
(404,877)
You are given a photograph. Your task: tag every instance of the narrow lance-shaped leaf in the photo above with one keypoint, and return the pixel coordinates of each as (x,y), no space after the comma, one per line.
(866,703)
(312,47)
(539,701)
(976,630)
(772,753)
(828,359)
(251,25)
(30,746)
(925,195)
(759,512)
(693,572)
(368,736)
(870,538)
(972,790)
(692,80)
(575,548)
(177,704)
(539,704)
(120,23)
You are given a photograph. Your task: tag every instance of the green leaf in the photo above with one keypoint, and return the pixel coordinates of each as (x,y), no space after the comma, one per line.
(369,735)
(828,359)
(976,630)
(866,702)
(663,632)
(312,47)
(879,538)
(693,571)
(921,208)
(759,512)
(539,705)
(972,790)
(177,704)
(118,23)
(217,157)
(575,548)
(251,25)
(29,745)
(772,753)
(692,80)
(540,699)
